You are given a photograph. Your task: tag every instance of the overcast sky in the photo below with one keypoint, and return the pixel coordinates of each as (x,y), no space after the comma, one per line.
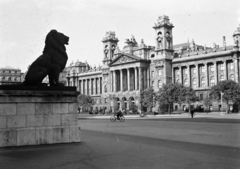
(24,25)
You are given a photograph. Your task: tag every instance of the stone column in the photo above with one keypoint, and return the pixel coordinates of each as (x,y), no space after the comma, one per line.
(215,72)
(128,79)
(101,85)
(135,77)
(93,84)
(140,78)
(188,75)
(206,74)
(114,81)
(90,86)
(82,86)
(225,69)
(96,85)
(236,77)
(87,87)
(121,80)
(197,75)
(180,74)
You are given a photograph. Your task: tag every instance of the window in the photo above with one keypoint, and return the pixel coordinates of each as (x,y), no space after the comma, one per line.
(160,72)
(105,100)
(184,71)
(212,83)
(221,78)
(185,82)
(201,96)
(221,66)
(177,74)
(152,83)
(194,83)
(152,73)
(211,68)
(105,88)
(194,70)
(230,65)
(202,69)
(203,82)
(159,84)
(231,77)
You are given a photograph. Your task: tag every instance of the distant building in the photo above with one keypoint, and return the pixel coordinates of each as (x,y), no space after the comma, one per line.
(117,83)
(10,75)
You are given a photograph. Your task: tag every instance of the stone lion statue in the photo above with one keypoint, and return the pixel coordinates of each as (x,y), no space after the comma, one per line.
(51,62)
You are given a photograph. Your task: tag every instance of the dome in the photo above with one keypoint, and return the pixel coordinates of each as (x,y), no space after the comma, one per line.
(237,31)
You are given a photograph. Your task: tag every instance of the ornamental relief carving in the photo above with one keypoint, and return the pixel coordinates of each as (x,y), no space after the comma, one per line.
(158,63)
(125,59)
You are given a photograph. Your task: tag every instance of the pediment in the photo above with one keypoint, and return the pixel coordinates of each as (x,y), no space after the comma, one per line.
(124,59)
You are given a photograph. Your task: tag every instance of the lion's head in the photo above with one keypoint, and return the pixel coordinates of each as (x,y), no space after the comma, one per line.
(57,40)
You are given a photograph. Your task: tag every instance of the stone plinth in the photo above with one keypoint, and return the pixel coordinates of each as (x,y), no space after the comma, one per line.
(38,115)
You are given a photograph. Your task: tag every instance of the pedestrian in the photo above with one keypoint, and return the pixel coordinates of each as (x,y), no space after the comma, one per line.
(192,111)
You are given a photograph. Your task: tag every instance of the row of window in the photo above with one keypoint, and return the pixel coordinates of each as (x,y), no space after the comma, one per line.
(211,68)
(202,81)
(159,72)
(9,71)
(10,78)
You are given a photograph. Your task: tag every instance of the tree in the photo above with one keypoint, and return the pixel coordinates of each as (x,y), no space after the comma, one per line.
(207,102)
(190,96)
(147,98)
(169,94)
(85,101)
(226,91)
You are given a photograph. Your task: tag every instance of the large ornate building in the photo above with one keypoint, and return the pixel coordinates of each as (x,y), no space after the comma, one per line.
(117,83)
(10,75)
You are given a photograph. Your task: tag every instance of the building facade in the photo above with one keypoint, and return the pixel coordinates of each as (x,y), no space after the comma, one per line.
(117,83)
(10,75)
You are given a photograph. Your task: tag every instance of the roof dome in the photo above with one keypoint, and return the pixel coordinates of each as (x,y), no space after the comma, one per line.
(237,31)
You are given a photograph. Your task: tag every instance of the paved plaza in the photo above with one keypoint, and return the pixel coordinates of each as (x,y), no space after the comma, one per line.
(163,141)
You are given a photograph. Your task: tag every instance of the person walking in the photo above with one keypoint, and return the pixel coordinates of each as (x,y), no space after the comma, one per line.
(192,111)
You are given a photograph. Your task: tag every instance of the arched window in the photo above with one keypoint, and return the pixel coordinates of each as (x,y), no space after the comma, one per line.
(159,84)
(194,83)
(203,82)
(212,83)
(160,72)
(231,77)
(221,78)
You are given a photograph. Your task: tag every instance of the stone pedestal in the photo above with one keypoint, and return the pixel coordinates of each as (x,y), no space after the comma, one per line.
(38,115)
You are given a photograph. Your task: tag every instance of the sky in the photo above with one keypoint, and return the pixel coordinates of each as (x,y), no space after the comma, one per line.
(24,25)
